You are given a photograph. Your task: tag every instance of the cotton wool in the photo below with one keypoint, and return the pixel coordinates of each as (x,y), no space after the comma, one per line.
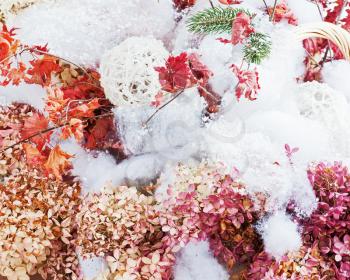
(336,75)
(196,262)
(127,71)
(82,31)
(280,235)
(317,101)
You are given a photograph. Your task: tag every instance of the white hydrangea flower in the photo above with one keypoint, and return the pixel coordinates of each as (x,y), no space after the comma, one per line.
(127,71)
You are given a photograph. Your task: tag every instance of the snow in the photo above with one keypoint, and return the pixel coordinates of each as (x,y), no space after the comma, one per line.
(93,267)
(31,94)
(280,235)
(97,170)
(247,135)
(305,11)
(195,262)
(336,75)
(82,31)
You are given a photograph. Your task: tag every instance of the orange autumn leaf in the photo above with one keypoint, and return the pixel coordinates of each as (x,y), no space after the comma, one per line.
(74,128)
(56,105)
(14,75)
(41,70)
(34,157)
(33,126)
(85,110)
(58,162)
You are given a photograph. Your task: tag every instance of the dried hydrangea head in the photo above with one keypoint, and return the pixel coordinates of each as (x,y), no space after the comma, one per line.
(127,71)
(36,212)
(8,7)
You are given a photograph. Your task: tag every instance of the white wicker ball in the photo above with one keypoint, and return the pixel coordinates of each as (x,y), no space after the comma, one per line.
(127,71)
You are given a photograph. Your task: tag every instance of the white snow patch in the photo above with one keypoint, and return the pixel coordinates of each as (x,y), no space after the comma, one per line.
(96,170)
(82,31)
(92,267)
(33,95)
(336,75)
(195,262)
(280,235)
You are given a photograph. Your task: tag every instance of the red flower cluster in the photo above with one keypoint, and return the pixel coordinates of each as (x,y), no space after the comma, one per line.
(328,227)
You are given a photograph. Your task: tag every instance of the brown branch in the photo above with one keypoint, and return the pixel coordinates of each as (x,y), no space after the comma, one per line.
(273,11)
(51,129)
(63,59)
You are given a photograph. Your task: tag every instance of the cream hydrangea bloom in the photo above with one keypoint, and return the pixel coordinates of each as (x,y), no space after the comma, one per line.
(127,71)
(8,7)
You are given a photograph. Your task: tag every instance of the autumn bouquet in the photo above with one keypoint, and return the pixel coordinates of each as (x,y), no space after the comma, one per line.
(161,157)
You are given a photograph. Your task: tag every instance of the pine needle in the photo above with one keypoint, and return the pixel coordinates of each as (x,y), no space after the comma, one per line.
(257,48)
(214,20)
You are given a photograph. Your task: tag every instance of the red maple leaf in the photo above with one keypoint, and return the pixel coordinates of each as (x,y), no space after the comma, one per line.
(14,75)
(36,125)
(346,20)
(74,128)
(230,2)
(57,162)
(241,28)
(200,71)
(183,4)
(41,70)
(248,83)
(86,109)
(333,11)
(282,11)
(33,156)
(176,75)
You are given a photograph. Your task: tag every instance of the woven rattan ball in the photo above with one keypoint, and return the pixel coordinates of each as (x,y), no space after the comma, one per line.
(127,71)
(334,33)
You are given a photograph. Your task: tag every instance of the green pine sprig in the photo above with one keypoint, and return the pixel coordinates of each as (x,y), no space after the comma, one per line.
(257,47)
(214,20)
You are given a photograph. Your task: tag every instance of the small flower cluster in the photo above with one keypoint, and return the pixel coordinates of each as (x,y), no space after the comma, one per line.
(305,264)
(140,236)
(36,224)
(225,217)
(123,225)
(326,241)
(328,227)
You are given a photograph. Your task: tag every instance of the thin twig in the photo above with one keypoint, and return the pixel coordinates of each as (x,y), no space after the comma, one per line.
(267,7)
(273,11)
(161,107)
(32,136)
(51,129)
(63,59)
(211,3)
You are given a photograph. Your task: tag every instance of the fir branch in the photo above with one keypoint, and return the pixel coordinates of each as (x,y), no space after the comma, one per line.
(214,20)
(257,47)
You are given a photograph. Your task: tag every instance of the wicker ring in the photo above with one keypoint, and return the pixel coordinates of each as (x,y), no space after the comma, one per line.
(339,36)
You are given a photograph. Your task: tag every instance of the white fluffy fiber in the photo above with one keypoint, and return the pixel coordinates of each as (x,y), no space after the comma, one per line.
(92,268)
(336,75)
(127,71)
(195,262)
(33,95)
(280,235)
(82,30)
